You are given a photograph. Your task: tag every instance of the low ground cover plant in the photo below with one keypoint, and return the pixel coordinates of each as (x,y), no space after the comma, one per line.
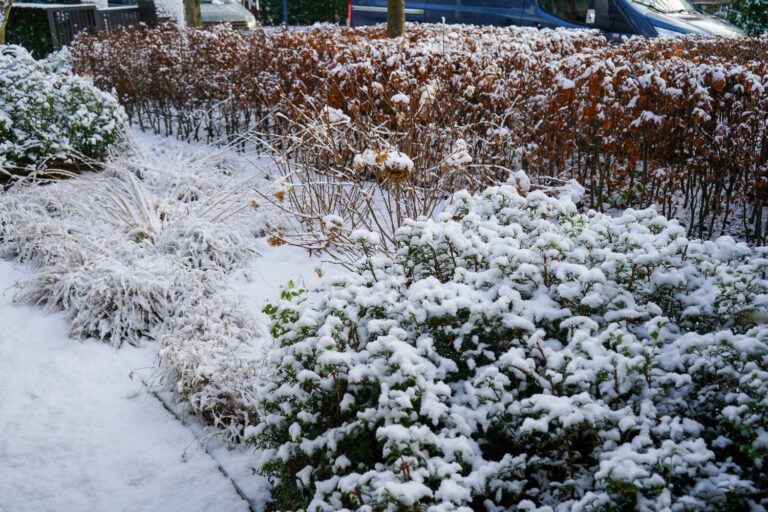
(516,354)
(52,117)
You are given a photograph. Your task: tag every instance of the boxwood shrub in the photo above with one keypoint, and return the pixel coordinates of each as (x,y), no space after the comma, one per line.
(517,354)
(50,116)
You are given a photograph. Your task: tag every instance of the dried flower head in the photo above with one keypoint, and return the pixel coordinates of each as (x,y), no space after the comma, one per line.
(429,93)
(397,167)
(459,157)
(393,165)
(333,226)
(400,100)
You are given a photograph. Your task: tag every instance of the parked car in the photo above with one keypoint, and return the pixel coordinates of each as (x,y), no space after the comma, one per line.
(215,12)
(613,17)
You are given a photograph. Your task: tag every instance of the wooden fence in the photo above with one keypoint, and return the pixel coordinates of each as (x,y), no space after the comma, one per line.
(65,21)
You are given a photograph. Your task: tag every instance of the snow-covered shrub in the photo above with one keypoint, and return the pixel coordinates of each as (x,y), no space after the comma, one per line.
(48,114)
(205,245)
(209,231)
(210,352)
(660,104)
(113,301)
(118,213)
(210,85)
(121,251)
(138,252)
(679,123)
(750,15)
(31,231)
(516,354)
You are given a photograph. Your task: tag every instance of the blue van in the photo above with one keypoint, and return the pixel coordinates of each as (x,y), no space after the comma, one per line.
(614,17)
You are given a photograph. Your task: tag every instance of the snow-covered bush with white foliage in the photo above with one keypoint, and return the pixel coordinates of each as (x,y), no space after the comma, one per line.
(205,245)
(139,252)
(516,354)
(48,114)
(113,301)
(208,353)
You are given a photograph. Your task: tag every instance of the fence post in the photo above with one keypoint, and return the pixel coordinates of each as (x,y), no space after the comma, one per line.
(285,12)
(101,20)
(148,12)
(53,29)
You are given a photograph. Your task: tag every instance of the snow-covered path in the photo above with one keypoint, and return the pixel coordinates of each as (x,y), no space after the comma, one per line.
(77,433)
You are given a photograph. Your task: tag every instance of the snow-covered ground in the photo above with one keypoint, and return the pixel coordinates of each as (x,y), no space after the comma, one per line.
(81,431)
(80,434)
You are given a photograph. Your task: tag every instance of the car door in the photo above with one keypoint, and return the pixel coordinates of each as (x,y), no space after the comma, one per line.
(609,17)
(372,12)
(555,13)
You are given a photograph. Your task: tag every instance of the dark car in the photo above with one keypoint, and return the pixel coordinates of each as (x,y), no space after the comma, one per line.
(614,17)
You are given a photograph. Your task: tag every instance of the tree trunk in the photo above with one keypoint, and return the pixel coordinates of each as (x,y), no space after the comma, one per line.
(192,13)
(5,12)
(395,17)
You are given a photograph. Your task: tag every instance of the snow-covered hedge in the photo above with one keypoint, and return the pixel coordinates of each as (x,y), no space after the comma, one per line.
(519,355)
(48,114)
(679,123)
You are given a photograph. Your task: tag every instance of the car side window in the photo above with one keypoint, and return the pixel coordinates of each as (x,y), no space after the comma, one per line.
(606,15)
(574,11)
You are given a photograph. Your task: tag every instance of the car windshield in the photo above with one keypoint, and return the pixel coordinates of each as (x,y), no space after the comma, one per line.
(219,2)
(666,6)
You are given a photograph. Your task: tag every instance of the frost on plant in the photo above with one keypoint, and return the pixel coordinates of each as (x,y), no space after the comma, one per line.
(109,300)
(140,252)
(516,354)
(205,245)
(208,351)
